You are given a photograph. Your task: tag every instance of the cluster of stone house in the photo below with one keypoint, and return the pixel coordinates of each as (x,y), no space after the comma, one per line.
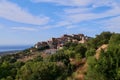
(58,43)
(41,44)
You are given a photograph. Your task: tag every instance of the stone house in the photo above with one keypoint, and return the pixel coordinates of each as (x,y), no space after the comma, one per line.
(41,44)
(58,43)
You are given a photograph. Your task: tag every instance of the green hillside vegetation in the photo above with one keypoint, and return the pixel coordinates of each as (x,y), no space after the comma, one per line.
(74,62)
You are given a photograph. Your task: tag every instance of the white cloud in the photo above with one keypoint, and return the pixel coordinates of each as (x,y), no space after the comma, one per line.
(58,24)
(71,26)
(77,3)
(81,12)
(63,23)
(24,28)
(77,10)
(92,16)
(103,3)
(13,12)
(67,2)
(76,15)
(70,19)
(112,24)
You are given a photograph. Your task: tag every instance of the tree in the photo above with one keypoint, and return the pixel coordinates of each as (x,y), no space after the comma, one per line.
(39,71)
(96,42)
(90,52)
(115,39)
(107,67)
(81,50)
(92,72)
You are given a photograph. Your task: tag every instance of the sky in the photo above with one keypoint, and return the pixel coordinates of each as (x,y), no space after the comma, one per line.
(25,22)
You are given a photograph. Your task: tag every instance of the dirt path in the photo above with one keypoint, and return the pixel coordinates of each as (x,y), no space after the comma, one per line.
(104,47)
(81,71)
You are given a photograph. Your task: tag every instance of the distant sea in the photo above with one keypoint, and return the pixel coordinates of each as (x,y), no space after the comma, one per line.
(14,48)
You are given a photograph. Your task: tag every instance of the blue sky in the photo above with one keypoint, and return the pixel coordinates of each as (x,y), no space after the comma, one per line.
(29,21)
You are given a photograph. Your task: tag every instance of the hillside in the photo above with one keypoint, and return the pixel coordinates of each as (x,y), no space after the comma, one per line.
(94,59)
(8,52)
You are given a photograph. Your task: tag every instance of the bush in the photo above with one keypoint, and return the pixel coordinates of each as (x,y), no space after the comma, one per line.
(90,52)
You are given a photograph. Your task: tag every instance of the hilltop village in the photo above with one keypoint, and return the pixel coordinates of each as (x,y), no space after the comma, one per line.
(77,60)
(58,43)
